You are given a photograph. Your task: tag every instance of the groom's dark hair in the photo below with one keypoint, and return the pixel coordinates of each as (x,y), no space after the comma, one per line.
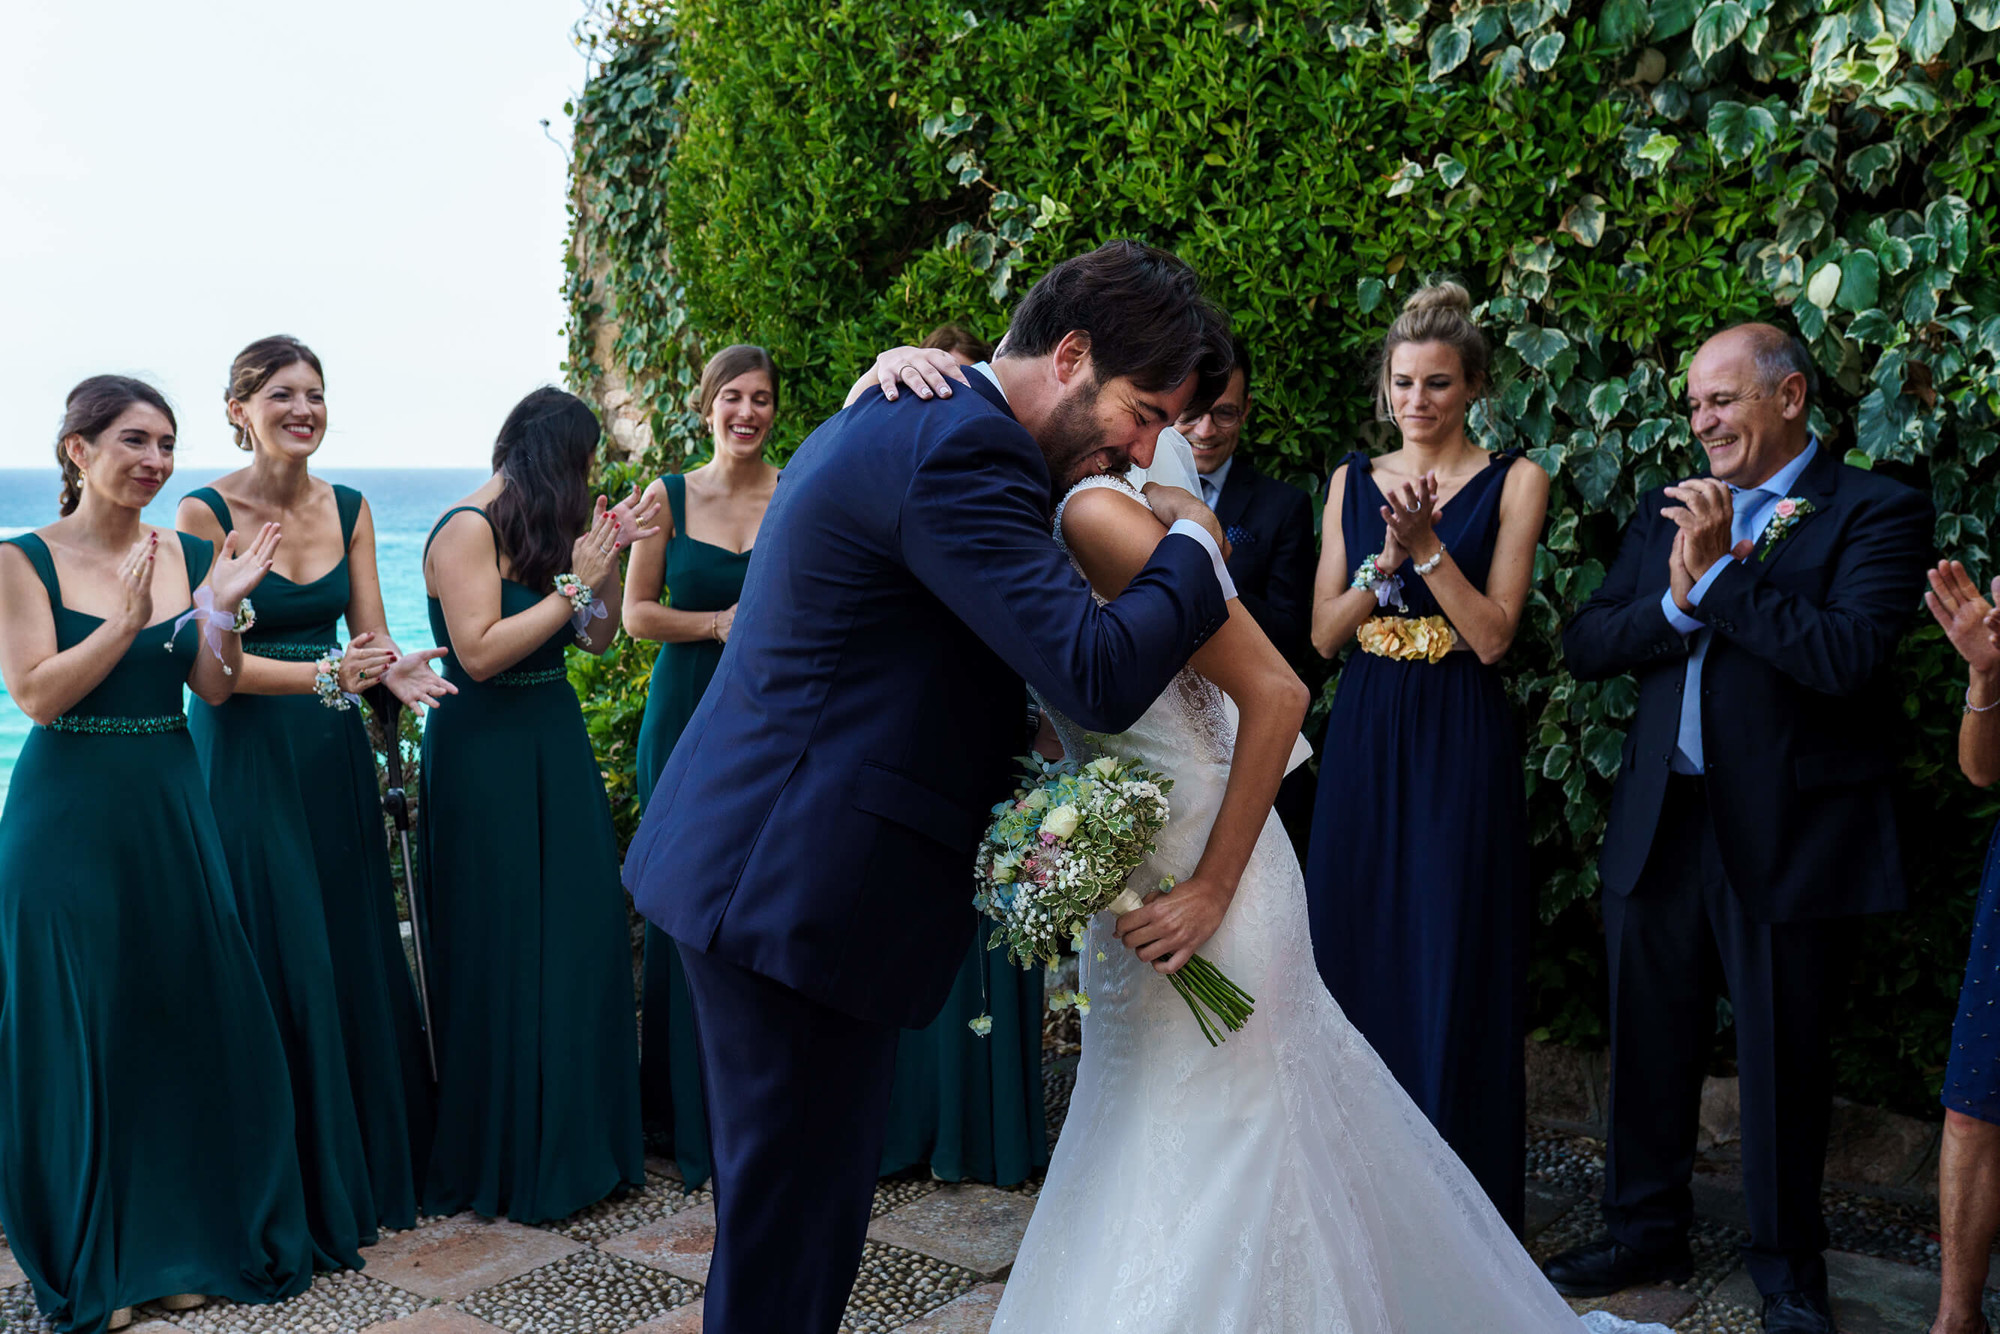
(1144,313)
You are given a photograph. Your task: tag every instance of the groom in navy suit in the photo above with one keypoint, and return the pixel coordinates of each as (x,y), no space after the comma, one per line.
(1758,608)
(810,843)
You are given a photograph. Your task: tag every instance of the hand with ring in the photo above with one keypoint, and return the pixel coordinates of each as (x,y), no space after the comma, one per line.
(1411,515)
(361,664)
(926,370)
(632,519)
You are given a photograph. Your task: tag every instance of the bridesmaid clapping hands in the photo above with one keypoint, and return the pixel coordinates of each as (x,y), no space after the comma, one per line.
(527,944)
(156,1153)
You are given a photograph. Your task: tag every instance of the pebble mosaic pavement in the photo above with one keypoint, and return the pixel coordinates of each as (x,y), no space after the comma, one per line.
(937,1256)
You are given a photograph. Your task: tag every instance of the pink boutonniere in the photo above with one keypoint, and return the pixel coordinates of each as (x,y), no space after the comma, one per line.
(1788,512)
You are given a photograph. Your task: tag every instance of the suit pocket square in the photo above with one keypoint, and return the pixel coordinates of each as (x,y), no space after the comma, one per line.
(1239,536)
(882,791)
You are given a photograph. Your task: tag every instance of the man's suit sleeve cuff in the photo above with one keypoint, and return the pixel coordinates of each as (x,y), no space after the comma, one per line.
(1189,528)
(1677,618)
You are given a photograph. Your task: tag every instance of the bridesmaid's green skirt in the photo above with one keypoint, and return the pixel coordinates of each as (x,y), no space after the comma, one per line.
(146,1129)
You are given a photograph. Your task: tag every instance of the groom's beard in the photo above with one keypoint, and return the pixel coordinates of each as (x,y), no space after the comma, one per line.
(1073,442)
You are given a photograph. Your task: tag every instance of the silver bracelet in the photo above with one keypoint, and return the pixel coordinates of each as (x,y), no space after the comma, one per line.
(1429,567)
(1970,707)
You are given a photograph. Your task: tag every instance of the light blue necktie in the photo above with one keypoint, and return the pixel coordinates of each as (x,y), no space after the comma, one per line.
(1749,505)
(1209,495)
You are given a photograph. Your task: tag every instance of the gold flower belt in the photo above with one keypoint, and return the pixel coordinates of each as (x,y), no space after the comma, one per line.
(1409,638)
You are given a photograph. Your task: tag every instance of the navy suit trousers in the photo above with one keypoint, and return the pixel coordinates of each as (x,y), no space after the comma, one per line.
(1680,936)
(797,1096)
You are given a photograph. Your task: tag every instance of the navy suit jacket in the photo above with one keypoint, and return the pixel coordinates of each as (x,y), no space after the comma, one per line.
(817,821)
(1272,558)
(1797,714)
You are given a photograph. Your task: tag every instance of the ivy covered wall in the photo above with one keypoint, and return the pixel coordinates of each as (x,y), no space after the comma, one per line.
(1614,180)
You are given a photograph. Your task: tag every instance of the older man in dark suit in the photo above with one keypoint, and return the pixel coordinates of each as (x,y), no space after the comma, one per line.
(1758,608)
(1272,554)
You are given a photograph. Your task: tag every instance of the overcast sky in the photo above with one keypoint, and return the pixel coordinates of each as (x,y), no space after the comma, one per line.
(179,179)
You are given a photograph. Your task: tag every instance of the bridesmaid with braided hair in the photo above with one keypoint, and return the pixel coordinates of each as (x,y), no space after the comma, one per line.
(146,1135)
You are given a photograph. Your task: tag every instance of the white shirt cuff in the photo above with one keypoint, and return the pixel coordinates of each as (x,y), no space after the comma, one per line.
(1189,528)
(1677,618)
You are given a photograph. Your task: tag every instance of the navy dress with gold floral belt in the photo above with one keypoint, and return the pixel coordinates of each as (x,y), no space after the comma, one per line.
(1417,885)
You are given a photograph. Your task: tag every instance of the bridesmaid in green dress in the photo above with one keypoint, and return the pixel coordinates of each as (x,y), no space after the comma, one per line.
(970,1108)
(309,861)
(146,1129)
(682,593)
(528,952)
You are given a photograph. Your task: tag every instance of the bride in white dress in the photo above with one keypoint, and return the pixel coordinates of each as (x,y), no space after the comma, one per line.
(1281,1183)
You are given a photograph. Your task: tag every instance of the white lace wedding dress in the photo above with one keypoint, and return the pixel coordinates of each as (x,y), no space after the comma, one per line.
(1281,1183)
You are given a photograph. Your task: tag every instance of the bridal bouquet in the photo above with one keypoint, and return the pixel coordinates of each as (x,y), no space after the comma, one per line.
(1062,850)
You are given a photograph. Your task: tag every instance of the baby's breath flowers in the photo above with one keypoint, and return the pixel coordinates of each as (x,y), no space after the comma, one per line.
(1060,850)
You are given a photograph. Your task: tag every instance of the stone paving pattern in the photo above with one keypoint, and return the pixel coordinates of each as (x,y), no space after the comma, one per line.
(938,1256)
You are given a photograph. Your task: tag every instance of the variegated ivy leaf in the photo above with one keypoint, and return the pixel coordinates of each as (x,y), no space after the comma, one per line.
(1349,36)
(1800,229)
(1405,178)
(1875,328)
(1671,18)
(1659,149)
(1606,401)
(1538,347)
(1825,285)
(1542,54)
(1860,281)
(1449,48)
(1670,99)
(1585,220)
(1721,23)
(1895,254)
(1983,14)
(1869,169)
(1737,131)
(1449,169)
(1897,15)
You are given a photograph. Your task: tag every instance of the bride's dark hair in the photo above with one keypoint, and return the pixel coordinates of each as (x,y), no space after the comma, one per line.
(544,452)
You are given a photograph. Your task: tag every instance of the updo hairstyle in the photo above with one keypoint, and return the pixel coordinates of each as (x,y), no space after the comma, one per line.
(255,365)
(89,411)
(1438,312)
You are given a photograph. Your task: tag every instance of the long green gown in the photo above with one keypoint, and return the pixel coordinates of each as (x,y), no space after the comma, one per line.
(969,1107)
(146,1132)
(528,953)
(310,864)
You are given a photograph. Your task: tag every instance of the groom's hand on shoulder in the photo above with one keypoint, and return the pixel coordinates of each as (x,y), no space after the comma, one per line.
(1171,505)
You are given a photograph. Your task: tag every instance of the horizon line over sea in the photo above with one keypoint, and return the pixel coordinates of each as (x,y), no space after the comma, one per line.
(405,502)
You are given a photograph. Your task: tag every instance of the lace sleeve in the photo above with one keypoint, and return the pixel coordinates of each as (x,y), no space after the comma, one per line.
(1094,480)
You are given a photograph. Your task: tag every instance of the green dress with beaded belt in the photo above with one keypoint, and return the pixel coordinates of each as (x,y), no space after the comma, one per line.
(528,950)
(698,576)
(146,1130)
(310,862)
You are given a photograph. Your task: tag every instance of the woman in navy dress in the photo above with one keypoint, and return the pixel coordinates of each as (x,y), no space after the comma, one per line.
(1969,1160)
(1417,883)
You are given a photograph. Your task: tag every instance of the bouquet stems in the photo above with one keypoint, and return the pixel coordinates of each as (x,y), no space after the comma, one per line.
(1218,1005)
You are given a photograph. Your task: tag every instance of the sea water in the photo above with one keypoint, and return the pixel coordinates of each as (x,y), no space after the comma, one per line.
(405,503)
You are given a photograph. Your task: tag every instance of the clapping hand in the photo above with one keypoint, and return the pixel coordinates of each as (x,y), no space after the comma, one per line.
(594,556)
(412,680)
(360,664)
(1969,620)
(233,577)
(1704,517)
(135,581)
(633,515)
(1411,515)
(926,370)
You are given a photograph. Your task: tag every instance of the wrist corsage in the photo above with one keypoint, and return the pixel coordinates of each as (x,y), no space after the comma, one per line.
(1387,588)
(211,621)
(588,608)
(326,681)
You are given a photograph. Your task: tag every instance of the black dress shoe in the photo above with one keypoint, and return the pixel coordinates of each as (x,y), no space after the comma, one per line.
(1606,1266)
(1797,1313)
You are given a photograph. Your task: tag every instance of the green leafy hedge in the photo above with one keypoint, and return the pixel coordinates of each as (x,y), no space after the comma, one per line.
(1616,180)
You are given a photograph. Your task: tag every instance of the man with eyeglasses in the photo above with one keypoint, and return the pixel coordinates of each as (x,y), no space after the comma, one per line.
(1272,557)
(1758,607)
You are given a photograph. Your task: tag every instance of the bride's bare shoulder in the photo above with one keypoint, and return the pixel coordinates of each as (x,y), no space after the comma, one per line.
(1105,503)
(1110,533)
